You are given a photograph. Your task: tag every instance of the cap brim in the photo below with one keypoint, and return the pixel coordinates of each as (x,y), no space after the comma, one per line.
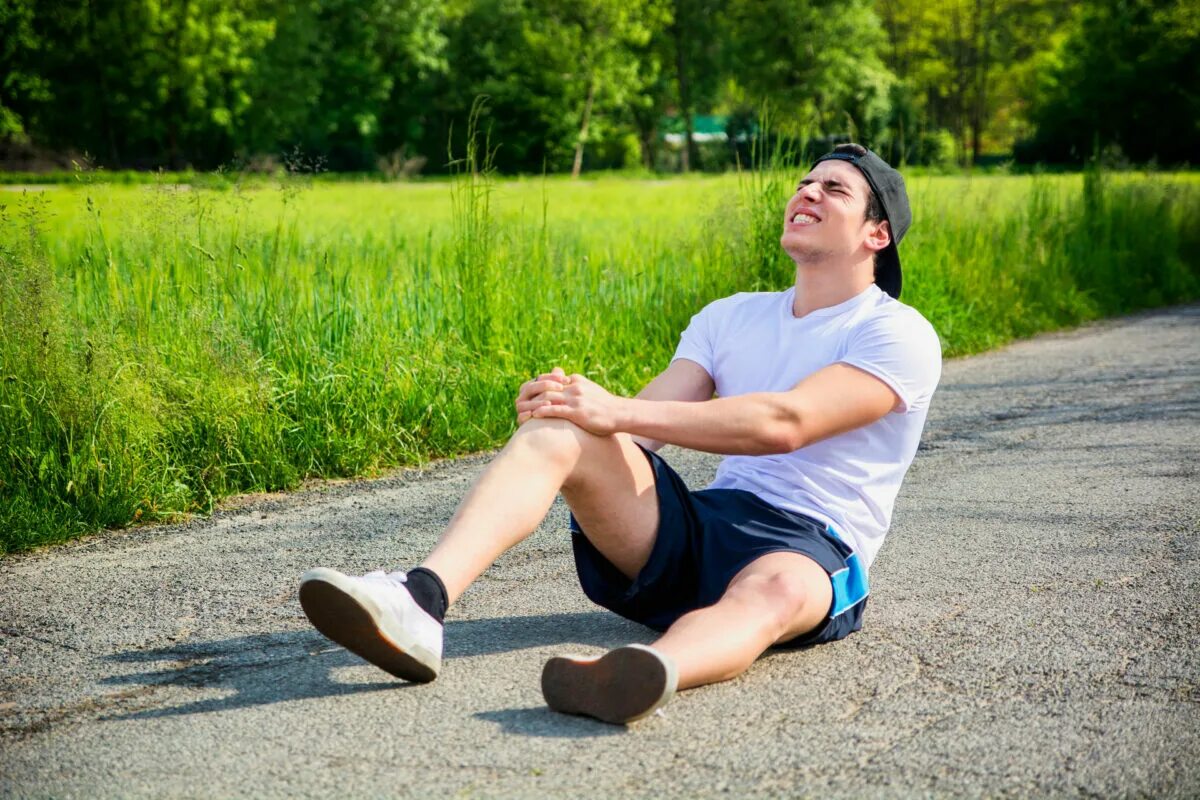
(887,271)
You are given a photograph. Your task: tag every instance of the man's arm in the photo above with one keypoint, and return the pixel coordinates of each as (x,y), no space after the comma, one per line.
(833,400)
(683,381)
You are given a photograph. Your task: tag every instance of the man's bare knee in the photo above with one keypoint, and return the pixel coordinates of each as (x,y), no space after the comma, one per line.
(778,598)
(559,441)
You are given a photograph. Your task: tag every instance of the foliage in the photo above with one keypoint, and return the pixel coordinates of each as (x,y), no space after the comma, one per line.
(538,62)
(822,66)
(337,79)
(383,84)
(1125,78)
(21,82)
(966,69)
(134,78)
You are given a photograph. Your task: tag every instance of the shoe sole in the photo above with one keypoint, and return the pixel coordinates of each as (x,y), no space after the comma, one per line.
(334,607)
(623,685)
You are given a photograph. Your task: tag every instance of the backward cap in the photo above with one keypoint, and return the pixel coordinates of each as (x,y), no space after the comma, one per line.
(888,186)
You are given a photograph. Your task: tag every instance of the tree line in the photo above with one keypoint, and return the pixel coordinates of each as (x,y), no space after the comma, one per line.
(389,84)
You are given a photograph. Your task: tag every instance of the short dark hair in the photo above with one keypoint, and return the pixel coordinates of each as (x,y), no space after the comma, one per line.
(874,207)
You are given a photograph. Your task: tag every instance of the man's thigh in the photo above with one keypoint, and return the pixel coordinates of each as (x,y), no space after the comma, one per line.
(612,494)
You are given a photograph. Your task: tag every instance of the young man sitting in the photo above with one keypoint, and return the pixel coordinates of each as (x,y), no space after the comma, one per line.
(821,394)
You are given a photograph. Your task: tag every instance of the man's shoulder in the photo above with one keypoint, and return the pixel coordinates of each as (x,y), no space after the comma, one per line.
(893,325)
(898,317)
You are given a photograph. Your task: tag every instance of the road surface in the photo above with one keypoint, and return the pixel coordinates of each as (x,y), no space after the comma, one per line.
(1032,628)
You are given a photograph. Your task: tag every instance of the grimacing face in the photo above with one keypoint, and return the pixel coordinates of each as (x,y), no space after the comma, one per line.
(826,217)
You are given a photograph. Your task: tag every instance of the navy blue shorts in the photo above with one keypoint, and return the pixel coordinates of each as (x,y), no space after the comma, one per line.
(704,539)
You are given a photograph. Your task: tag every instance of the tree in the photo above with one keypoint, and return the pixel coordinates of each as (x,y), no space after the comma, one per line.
(557,76)
(1126,77)
(489,56)
(21,82)
(647,107)
(346,79)
(696,51)
(146,82)
(597,44)
(821,70)
(964,65)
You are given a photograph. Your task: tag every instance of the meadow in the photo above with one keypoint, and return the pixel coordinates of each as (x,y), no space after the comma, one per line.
(164,346)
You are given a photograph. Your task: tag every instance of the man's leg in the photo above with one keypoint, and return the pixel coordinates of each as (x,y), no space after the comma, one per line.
(606,480)
(773,599)
(395,621)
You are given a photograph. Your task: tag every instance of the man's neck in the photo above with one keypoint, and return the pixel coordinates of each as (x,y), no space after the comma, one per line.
(820,287)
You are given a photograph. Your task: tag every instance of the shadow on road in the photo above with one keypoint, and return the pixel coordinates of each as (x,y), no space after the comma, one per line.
(476,637)
(298,665)
(259,670)
(540,721)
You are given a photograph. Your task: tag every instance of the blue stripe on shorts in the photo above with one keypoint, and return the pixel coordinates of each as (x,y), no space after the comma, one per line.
(849,584)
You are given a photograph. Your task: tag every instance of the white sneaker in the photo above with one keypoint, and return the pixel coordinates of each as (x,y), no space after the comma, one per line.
(621,686)
(374,617)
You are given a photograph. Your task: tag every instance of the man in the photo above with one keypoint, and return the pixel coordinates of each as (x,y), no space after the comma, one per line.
(822,392)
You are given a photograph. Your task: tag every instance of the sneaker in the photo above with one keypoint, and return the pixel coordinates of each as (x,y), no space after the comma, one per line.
(374,617)
(620,686)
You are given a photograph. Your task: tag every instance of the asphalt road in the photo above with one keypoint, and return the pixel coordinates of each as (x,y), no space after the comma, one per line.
(1032,629)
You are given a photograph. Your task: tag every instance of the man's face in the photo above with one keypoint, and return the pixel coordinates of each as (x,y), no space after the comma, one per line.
(826,218)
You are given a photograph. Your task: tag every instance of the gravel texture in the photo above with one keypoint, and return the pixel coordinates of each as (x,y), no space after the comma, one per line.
(1032,628)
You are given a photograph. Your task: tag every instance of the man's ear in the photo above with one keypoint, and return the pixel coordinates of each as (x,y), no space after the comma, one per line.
(880,237)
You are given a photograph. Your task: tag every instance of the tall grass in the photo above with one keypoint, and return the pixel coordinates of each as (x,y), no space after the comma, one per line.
(161,348)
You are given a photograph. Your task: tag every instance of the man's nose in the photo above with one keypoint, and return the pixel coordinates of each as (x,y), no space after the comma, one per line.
(811,191)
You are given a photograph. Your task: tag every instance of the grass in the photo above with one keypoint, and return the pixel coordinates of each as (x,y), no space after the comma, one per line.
(164,346)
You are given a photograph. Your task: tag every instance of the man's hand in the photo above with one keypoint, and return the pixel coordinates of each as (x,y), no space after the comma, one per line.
(581,401)
(531,395)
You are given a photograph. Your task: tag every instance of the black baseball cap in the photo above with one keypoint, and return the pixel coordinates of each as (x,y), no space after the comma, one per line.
(889,188)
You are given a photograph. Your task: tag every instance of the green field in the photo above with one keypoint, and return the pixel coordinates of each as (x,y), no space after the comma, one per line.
(165,346)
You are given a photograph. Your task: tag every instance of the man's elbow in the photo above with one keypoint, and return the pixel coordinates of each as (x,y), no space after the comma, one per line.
(784,440)
(785,434)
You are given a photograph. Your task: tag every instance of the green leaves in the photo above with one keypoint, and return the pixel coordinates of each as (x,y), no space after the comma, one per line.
(365,85)
(1123,86)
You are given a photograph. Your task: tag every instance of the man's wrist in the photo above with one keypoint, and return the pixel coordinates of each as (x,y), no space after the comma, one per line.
(627,414)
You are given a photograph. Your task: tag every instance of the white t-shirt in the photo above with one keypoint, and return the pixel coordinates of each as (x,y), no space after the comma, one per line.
(751,342)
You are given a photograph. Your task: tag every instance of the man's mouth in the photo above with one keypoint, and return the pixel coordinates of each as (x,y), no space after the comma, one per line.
(804,219)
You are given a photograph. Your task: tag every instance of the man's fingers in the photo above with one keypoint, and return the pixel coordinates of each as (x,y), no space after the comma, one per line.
(532,404)
(537,400)
(553,410)
(556,380)
(532,389)
(551,397)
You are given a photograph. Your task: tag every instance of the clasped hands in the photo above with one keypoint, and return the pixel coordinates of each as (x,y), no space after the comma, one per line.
(556,394)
